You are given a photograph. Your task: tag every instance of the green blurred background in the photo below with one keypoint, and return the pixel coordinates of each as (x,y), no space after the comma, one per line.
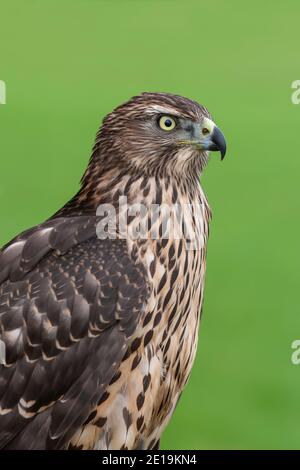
(67,63)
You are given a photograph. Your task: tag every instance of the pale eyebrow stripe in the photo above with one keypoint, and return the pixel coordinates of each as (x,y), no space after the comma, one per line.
(162,109)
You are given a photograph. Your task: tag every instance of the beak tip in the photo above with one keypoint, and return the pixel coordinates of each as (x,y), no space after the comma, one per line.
(219,142)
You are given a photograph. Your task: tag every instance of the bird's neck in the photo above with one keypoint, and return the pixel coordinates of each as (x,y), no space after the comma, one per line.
(158,212)
(142,189)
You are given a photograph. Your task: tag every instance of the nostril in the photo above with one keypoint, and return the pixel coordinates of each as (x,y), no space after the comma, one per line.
(205,131)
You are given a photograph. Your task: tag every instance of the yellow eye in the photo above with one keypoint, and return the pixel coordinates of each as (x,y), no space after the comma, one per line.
(166,123)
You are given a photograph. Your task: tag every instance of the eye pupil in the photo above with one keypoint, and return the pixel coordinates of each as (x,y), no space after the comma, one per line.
(168,123)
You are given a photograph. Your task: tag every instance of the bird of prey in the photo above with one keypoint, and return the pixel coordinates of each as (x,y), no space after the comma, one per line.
(100,332)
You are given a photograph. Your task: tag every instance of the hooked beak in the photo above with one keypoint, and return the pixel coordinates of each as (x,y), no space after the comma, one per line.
(214,139)
(207,136)
(217,142)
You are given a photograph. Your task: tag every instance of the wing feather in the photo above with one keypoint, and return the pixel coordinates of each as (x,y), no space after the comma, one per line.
(69,304)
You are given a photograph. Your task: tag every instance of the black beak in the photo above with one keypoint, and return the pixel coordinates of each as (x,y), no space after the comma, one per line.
(217,142)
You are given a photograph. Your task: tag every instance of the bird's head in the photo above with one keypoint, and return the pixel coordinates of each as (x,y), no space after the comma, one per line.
(154,134)
(159,131)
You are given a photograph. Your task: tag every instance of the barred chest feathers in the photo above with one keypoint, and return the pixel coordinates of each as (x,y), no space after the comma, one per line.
(158,364)
(176,268)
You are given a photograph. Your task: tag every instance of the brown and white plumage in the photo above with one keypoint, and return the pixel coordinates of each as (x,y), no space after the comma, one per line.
(101,335)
